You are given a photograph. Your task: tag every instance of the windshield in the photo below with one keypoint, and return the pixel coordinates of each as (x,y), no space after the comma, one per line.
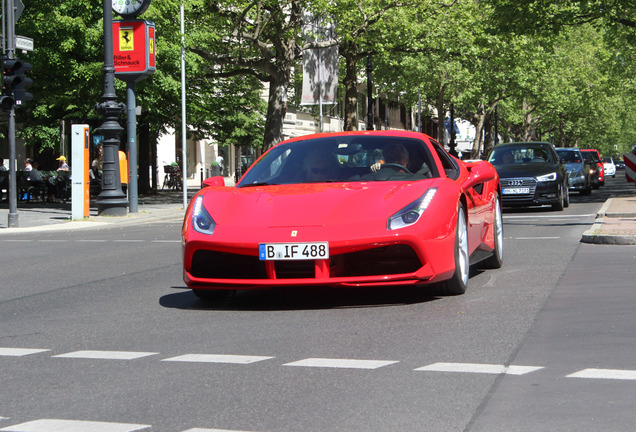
(570,156)
(593,155)
(519,154)
(341,158)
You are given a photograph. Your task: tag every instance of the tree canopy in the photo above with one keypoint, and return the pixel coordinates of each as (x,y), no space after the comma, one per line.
(557,70)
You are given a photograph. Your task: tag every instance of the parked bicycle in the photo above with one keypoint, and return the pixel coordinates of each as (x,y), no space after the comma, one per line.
(173,180)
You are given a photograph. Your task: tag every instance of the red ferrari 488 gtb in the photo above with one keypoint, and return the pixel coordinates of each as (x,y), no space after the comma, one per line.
(350,209)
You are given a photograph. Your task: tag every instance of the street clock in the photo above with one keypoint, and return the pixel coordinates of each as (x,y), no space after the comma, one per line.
(130,8)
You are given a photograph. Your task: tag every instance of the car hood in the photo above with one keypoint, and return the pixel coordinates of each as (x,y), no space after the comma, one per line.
(533,169)
(316,204)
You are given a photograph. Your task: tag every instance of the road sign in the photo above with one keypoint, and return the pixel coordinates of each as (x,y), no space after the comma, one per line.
(18,7)
(133,49)
(24,43)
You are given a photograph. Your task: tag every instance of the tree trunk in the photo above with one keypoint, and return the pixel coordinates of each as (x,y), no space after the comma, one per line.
(350,82)
(478,121)
(441,115)
(276,110)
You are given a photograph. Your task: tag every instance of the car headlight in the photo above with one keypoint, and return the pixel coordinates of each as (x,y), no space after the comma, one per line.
(412,212)
(547,177)
(201,220)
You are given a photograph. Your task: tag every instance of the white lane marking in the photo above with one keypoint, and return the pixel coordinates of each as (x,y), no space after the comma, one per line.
(619,374)
(479,368)
(19,352)
(211,430)
(549,216)
(56,425)
(165,241)
(341,363)
(537,238)
(91,241)
(106,355)
(128,241)
(217,358)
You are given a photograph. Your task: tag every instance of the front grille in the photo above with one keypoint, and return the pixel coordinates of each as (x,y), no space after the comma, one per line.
(385,260)
(518,182)
(222,265)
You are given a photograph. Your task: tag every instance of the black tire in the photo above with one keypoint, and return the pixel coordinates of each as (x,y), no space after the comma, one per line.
(457,284)
(566,200)
(559,206)
(496,260)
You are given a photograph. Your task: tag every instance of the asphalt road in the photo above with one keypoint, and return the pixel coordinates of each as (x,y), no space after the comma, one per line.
(99,333)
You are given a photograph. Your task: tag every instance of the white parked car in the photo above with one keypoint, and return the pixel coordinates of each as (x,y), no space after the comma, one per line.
(609,167)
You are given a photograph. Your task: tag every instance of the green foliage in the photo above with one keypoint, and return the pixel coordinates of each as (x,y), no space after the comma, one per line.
(558,69)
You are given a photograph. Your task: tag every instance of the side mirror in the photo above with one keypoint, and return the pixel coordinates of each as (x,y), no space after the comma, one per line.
(214,181)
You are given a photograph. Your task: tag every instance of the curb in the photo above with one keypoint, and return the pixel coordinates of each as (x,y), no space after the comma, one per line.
(592,235)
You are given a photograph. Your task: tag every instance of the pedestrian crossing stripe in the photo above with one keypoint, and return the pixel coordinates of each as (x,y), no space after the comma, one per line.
(620,374)
(56,425)
(217,358)
(106,355)
(479,368)
(19,352)
(341,363)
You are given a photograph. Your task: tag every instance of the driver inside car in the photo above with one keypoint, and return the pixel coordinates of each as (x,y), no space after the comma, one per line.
(396,166)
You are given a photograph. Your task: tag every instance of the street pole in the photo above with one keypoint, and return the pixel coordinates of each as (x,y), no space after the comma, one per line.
(13,217)
(133,195)
(369,95)
(111,201)
(419,110)
(496,127)
(184,139)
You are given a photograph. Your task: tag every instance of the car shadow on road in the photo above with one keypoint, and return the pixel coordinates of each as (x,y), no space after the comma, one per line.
(301,298)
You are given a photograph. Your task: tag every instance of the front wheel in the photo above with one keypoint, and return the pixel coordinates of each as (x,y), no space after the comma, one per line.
(457,284)
(559,205)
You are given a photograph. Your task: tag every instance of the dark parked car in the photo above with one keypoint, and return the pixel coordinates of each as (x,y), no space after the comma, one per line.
(596,156)
(580,173)
(531,174)
(597,176)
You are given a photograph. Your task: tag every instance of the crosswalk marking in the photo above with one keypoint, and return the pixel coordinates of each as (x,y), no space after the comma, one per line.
(483,368)
(212,430)
(479,368)
(341,363)
(107,355)
(217,358)
(19,352)
(621,374)
(56,425)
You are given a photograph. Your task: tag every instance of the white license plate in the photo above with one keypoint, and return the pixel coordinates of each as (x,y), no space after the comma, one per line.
(293,251)
(515,191)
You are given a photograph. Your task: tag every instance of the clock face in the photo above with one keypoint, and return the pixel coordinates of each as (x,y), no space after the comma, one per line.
(130,7)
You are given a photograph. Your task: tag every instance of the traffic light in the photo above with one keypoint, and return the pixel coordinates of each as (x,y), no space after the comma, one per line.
(21,82)
(6,99)
(14,82)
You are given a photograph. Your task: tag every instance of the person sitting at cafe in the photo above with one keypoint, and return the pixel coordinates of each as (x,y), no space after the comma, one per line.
(57,187)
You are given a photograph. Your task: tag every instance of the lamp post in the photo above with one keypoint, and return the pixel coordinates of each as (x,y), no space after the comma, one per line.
(111,201)
(369,95)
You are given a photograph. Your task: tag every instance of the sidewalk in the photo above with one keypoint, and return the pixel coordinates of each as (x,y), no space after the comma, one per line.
(615,222)
(38,216)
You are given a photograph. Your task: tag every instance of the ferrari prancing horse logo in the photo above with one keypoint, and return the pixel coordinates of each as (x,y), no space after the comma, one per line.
(294,233)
